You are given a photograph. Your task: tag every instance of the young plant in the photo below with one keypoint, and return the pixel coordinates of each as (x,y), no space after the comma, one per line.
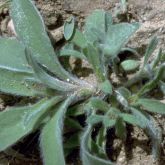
(29,67)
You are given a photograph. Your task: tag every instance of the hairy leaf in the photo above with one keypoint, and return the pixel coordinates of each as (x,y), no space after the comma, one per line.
(51,136)
(68,50)
(12,55)
(106,87)
(157,59)
(152,105)
(150,49)
(98,22)
(117,37)
(124,92)
(89,158)
(17,122)
(131,119)
(95,119)
(154,82)
(31,31)
(13,82)
(47,79)
(120,128)
(129,65)
(69,28)
(98,18)
(149,125)
(92,54)
(78,39)
(99,104)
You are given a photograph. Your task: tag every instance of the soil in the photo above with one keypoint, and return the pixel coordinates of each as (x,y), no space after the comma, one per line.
(149,13)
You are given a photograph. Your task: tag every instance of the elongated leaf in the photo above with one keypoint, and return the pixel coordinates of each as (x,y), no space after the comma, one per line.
(17,122)
(93,56)
(12,55)
(157,59)
(98,18)
(76,110)
(13,82)
(129,65)
(150,49)
(124,92)
(87,157)
(154,82)
(79,39)
(120,128)
(101,142)
(69,28)
(99,104)
(47,79)
(152,105)
(121,99)
(106,87)
(117,37)
(109,123)
(51,136)
(131,119)
(153,130)
(95,119)
(31,31)
(72,53)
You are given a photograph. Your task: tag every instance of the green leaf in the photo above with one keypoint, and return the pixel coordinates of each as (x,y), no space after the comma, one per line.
(131,119)
(106,87)
(130,65)
(79,39)
(72,53)
(150,49)
(68,50)
(101,142)
(151,105)
(12,55)
(154,82)
(120,128)
(69,28)
(124,92)
(51,136)
(47,79)
(117,36)
(109,123)
(89,158)
(99,18)
(157,59)
(92,54)
(17,122)
(110,117)
(153,130)
(121,98)
(99,104)
(13,82)
(76,110)
(95,119)
(31,31)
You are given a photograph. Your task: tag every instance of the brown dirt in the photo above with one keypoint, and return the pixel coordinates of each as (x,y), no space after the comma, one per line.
(151,14)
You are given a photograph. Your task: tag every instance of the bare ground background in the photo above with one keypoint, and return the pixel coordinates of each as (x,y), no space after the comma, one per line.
(151,15)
